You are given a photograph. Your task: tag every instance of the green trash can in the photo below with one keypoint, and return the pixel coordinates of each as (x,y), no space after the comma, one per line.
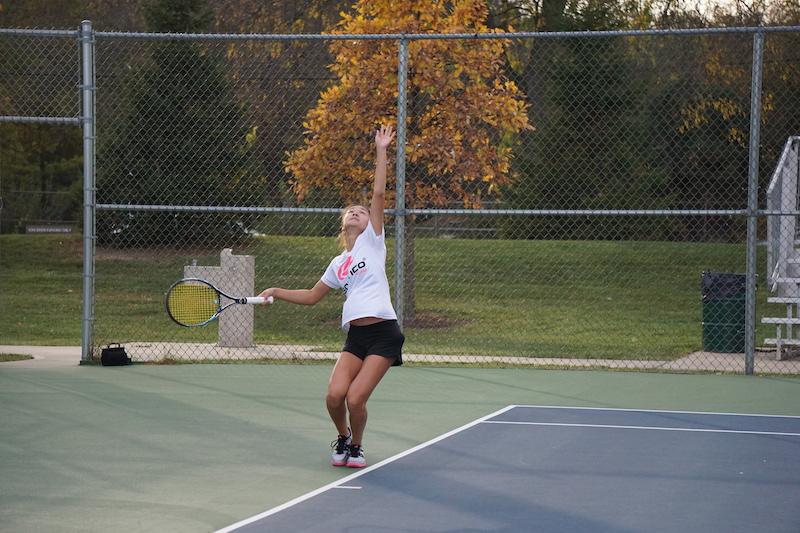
(723,297)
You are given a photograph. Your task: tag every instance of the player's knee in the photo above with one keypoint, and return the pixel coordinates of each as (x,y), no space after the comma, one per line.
(335,397)
(356,400)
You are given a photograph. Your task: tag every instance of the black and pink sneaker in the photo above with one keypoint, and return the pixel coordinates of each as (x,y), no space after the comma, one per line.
(356,457)
(341,449)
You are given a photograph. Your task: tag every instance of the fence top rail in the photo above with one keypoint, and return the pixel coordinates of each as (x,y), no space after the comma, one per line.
(29,32)
(427,36)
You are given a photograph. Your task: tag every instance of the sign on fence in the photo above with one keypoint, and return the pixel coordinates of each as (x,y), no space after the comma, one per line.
(47,228)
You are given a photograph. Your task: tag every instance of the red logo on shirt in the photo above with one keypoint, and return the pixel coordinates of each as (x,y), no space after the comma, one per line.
(342,272)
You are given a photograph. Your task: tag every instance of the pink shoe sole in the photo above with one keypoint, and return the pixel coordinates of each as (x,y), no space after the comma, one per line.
(355,466)
(334,463)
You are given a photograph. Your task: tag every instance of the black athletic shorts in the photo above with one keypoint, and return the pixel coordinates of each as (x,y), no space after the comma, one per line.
(381,338)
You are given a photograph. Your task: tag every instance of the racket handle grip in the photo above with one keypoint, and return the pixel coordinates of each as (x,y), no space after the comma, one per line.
(259,300)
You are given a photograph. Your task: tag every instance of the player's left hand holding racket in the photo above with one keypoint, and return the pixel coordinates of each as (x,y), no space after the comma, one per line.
(194,302)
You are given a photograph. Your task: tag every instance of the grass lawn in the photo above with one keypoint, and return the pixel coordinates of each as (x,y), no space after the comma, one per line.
(591,299)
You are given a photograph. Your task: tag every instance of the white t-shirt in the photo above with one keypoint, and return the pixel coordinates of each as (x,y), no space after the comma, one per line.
(361,274)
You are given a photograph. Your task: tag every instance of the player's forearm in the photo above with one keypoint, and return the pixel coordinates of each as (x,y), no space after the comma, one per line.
(295,296)
(379,188)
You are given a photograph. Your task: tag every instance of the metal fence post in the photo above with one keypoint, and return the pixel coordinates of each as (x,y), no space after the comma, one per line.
(400,177)
(752,200)
(87,115)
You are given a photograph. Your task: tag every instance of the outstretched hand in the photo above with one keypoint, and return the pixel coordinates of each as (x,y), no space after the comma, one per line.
(383,137)
(268,295)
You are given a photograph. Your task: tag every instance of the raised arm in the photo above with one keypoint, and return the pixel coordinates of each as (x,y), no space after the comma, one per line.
(298,296)
(383,137)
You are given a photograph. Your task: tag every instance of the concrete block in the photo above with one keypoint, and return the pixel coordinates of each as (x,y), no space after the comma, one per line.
(235,276)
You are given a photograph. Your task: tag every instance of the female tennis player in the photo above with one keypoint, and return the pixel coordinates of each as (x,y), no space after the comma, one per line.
(374,340)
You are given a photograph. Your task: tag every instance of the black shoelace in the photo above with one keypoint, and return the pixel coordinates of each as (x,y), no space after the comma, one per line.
(340,444)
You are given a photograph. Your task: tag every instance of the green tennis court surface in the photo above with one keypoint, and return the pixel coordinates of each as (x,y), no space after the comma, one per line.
(200,447)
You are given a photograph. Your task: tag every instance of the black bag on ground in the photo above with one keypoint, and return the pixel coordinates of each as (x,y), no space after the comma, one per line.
(114,355)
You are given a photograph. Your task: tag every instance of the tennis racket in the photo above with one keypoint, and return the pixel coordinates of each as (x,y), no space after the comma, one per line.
(193,302)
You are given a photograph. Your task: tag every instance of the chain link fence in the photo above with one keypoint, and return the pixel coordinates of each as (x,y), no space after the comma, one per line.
(39,79)
(566,200)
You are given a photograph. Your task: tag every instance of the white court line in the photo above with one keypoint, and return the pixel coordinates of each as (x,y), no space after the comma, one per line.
(361,472)
(649,411)
(655,428)
(343,487)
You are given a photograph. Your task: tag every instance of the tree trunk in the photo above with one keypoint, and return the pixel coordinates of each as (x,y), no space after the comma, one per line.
(409,288)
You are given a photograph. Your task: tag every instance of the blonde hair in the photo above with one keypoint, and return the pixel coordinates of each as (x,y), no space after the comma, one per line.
(342,237)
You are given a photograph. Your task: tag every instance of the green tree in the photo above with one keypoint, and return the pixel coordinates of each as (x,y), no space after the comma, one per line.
(588,149)
(40,164)
(181,141)
(40,175)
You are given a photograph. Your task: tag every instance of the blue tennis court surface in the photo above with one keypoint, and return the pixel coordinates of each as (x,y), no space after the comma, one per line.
(559,469)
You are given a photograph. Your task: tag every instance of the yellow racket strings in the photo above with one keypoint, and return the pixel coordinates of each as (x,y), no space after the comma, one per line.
(192,303)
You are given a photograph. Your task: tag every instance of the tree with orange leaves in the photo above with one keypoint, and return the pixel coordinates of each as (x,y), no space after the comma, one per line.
(462,120)
(463,115)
